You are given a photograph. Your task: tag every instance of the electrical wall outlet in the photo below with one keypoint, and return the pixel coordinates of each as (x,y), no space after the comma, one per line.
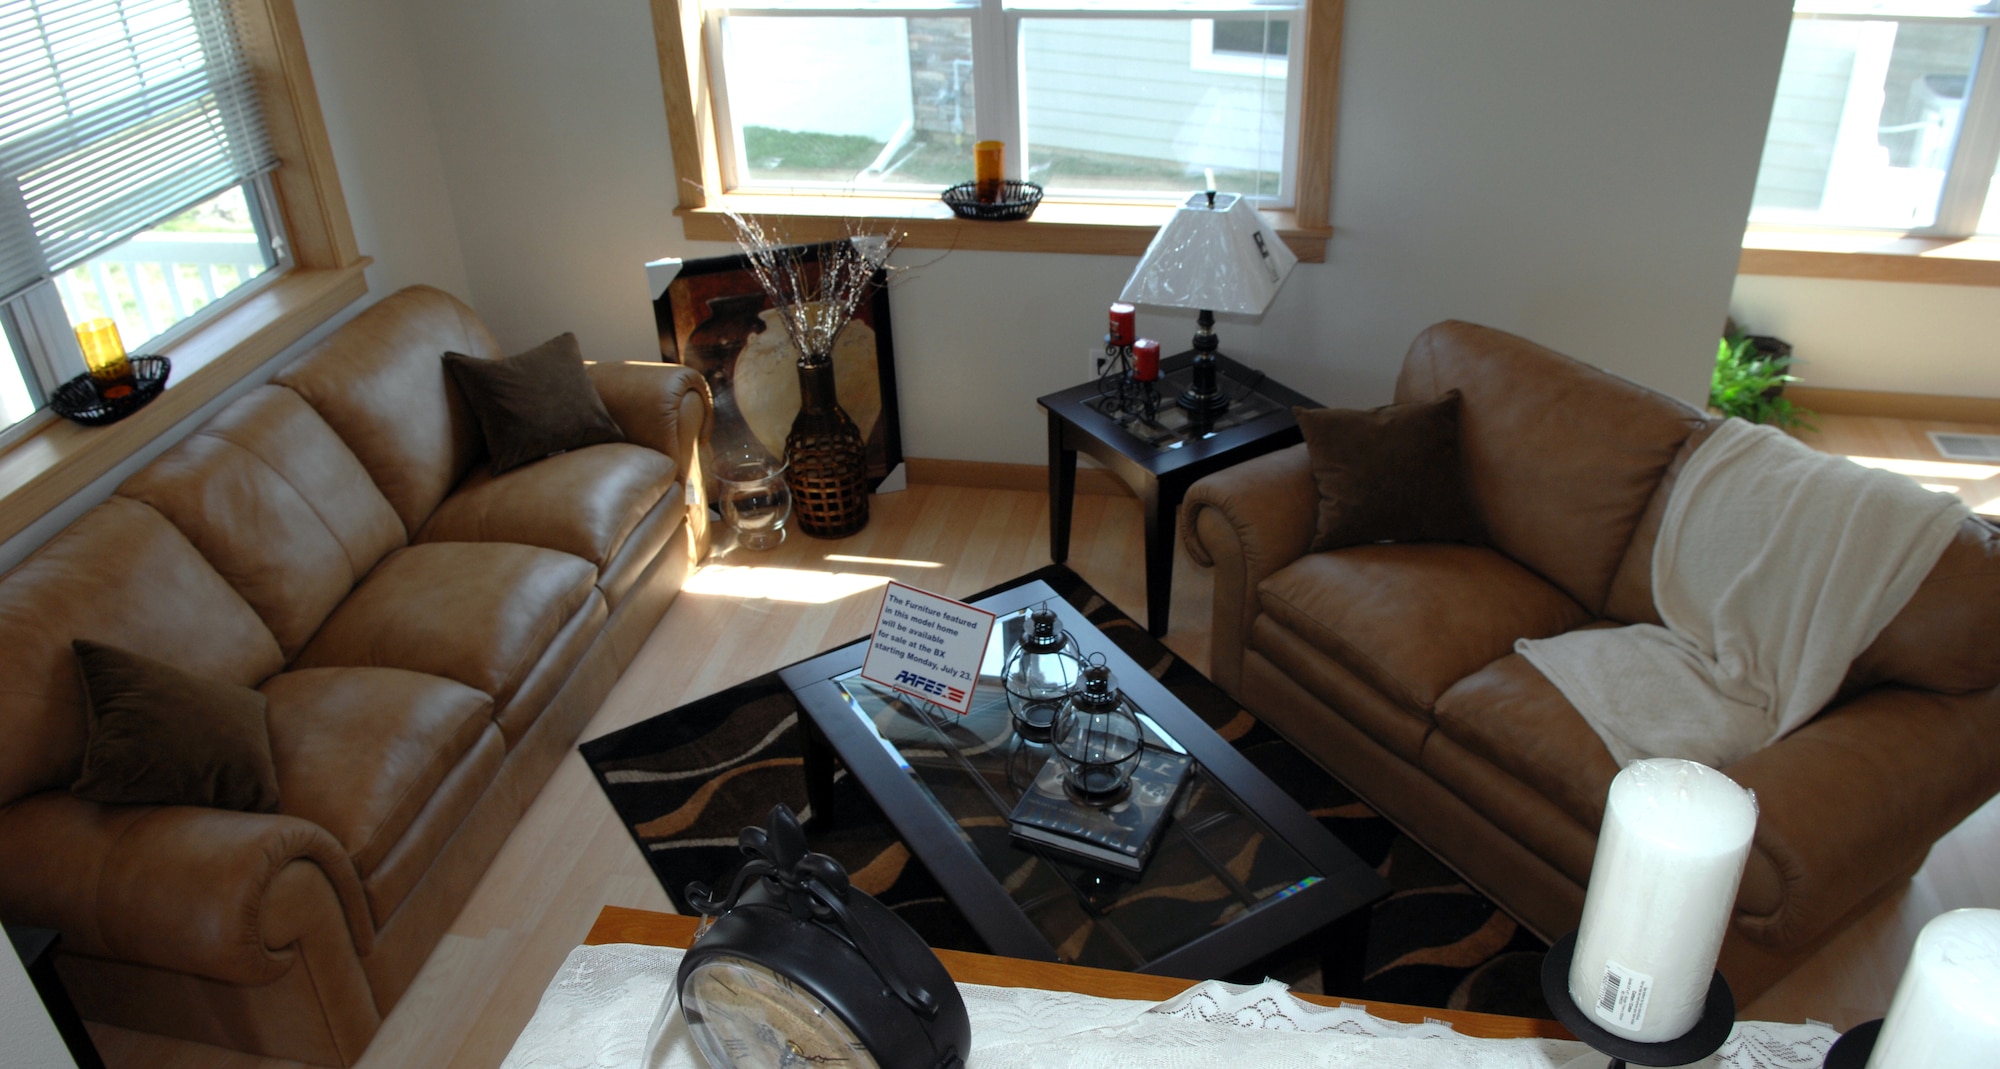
(1093,358)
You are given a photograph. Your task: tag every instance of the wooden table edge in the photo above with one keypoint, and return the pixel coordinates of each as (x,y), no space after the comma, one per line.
(619,924)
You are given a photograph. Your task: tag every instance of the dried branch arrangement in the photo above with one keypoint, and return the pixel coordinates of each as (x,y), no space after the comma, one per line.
(815,288)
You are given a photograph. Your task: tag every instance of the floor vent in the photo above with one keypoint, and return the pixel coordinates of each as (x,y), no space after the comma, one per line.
(1976,448)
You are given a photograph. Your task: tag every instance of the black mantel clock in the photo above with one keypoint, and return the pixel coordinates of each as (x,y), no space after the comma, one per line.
(794,968)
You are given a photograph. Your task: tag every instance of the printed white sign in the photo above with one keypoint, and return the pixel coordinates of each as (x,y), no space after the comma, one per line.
(928,647)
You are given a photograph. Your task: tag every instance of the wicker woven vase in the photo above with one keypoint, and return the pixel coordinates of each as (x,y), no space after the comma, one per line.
(827,462)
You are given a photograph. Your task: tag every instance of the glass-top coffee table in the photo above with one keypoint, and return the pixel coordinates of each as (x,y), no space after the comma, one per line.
(1241,870)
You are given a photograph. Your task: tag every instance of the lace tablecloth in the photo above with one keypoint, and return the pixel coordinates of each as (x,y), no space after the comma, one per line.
(603,1004)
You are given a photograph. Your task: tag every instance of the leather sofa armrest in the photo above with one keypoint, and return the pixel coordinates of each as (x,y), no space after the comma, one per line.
(661,406)
(1855,798)
(178,887)
(1246,522)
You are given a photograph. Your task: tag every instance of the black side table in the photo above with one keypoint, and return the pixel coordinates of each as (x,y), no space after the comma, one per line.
(36,946)
(1160,459)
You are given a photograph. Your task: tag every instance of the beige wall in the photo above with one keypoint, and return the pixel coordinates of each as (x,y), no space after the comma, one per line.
(1899,337)
(1575,171)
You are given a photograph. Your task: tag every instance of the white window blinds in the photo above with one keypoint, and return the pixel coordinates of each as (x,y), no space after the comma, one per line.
(114,115)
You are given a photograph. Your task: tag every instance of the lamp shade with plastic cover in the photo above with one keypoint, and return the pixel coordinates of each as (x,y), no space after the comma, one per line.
(1224,258)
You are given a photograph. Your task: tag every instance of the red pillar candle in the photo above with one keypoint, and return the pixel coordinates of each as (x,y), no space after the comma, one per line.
(1124,323)
(1146,360)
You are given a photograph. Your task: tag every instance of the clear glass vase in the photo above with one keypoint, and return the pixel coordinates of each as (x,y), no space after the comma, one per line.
(756,502)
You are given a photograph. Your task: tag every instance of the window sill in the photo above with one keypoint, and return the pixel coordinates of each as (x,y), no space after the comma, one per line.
(1094,228)
(1879,256)
(59,459)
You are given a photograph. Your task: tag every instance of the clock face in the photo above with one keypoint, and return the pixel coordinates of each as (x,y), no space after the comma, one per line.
(744,1016)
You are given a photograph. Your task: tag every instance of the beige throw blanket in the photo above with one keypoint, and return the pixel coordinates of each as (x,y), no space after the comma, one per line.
(1775,567)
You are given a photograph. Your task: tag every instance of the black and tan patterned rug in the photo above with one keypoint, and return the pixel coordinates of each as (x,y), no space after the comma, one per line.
(687,780)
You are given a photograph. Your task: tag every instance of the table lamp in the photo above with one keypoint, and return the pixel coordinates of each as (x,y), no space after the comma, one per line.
(1215,254)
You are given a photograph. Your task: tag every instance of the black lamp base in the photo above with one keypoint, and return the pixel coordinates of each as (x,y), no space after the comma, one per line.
(1851,1050)
(1204,399)
(1718,1016)
(1210,403)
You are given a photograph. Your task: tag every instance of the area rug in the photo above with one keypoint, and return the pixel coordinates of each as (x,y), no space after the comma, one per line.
(686,781)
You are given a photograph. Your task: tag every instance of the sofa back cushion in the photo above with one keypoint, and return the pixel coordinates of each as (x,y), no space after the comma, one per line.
(1946,638)
(121,576)
(279,506)
(380,383)
(1560,457)
(1631,598)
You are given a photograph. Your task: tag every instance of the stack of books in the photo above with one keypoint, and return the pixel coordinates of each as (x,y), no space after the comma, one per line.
(1119,837)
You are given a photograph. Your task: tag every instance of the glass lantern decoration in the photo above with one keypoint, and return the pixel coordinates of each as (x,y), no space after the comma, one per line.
(1097,739)
(756,502)
(1040,673)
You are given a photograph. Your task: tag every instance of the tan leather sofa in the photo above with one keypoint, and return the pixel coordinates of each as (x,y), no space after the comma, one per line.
(1392,664)
(430,640)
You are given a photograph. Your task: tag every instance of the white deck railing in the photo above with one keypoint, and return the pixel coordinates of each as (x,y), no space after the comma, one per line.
(159,278)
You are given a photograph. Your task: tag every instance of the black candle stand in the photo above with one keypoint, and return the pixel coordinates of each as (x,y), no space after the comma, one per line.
(1852,1049)
(1718,1016)
(1120,391)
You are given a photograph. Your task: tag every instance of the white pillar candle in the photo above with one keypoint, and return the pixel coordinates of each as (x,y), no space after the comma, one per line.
(1946,1013)
(1669,857)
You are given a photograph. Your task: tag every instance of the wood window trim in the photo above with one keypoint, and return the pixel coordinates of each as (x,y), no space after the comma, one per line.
(59,459)
(1069,227)
(1874,256)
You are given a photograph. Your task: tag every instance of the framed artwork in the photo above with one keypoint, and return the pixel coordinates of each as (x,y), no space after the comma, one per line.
(714,317)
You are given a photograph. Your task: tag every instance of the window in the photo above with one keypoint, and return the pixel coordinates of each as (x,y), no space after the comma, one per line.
(1108,104)
(131,149)
(46,461)
(1887,117)
(1092,99)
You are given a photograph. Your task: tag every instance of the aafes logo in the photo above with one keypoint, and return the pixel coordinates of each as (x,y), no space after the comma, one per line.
(930,686)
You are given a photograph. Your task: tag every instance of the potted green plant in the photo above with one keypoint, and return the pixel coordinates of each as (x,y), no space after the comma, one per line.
(1749,382)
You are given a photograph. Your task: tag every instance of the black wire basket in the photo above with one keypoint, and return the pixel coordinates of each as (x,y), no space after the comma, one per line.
(1017,201)
(80,399)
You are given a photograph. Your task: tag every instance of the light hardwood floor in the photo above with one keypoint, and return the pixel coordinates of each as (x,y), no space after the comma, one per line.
(747,613)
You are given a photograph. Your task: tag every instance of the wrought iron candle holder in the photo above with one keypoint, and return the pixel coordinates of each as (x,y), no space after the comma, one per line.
(1718,1016)
(1852,1049)
(1119,391)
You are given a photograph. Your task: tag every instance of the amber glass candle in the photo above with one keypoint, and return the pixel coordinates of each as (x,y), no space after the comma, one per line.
(104,355)
(988,161)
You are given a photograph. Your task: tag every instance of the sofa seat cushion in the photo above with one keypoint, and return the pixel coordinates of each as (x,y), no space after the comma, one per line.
(1511,715)
(414,858)
(480,613)
(1412,619)
(361,751)
(584,503)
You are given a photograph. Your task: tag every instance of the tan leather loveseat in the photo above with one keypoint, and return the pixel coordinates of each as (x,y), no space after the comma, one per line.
(1392,663)
(430,640)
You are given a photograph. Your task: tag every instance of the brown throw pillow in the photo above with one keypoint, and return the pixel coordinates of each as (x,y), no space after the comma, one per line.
(533,405)
(1390,474)
(159,736)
